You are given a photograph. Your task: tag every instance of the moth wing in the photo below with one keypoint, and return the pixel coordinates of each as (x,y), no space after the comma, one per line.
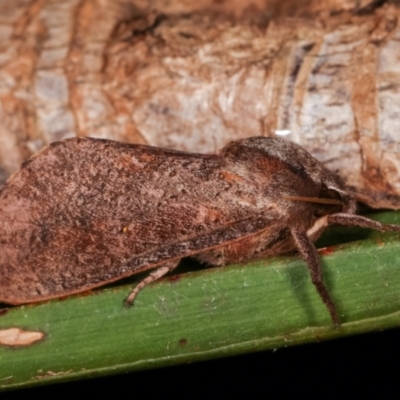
(86,212)
(29,286)
(217,238)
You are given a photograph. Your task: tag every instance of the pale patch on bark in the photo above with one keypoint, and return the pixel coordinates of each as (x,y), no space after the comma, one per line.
(196,75)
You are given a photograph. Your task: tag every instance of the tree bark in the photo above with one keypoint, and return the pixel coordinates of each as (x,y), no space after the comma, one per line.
(196,75)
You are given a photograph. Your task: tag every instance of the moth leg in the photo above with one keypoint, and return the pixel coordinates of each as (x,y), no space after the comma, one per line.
(308,252)
(320,225)
(154,276)
(350,220)
(358,220)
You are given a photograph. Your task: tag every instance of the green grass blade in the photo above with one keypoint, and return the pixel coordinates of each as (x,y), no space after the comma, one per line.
(210,313)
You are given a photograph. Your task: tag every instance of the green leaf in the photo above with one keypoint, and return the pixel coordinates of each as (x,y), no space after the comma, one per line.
(209,313)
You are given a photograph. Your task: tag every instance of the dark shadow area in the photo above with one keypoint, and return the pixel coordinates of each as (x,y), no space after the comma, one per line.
(363,362)
(298,277)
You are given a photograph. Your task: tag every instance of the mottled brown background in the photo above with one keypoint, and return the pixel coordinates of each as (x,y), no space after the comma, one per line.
(195,75)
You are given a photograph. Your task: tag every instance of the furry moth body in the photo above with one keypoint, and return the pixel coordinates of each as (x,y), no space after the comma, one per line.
(85,212)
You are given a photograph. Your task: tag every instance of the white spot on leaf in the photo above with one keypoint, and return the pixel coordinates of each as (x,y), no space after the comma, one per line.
(17,337)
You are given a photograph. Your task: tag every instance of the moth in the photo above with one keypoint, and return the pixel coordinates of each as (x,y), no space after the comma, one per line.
(84,212)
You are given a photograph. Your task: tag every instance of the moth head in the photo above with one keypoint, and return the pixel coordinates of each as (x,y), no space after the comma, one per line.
(337,195)
(277,154)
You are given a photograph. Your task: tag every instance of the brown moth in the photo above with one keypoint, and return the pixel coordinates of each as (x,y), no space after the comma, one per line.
(86,212)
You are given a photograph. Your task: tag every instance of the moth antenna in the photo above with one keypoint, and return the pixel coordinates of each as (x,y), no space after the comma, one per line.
(314,200)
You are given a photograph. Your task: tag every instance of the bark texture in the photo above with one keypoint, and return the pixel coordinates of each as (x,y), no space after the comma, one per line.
(195,75)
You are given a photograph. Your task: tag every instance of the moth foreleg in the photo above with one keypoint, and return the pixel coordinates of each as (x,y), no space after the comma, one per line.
(358,220)
(154,276)
(308,252)
(350,220)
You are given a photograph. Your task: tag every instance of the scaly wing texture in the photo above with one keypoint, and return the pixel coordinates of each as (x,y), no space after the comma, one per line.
(85,212)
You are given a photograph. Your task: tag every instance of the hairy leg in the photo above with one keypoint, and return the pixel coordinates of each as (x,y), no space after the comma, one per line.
(308,252)
(154,276)
(349,220)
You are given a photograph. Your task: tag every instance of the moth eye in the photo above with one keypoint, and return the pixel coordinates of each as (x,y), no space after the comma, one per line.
(326,209)
(329,194)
